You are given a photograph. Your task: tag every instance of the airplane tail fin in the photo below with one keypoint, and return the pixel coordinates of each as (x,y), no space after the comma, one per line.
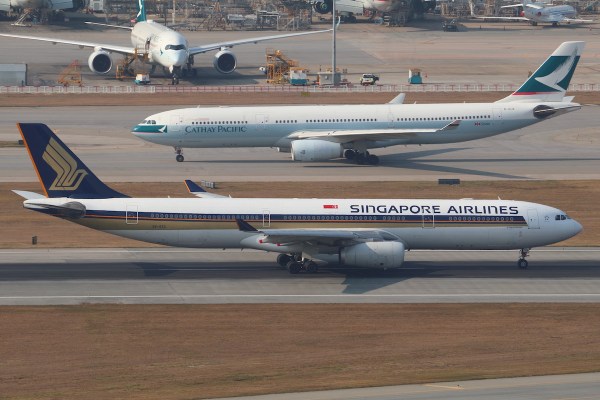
(141,15)
(61,173)
(551,80)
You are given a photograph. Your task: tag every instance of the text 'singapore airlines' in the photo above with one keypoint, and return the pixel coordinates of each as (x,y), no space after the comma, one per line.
(373,233)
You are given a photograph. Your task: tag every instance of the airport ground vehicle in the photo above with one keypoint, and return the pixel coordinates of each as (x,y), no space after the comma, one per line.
(368,79)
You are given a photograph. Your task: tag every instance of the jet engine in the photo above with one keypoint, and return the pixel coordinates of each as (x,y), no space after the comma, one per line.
(373,255)
(323,6)
(315,150)
(225,61)
(100,62)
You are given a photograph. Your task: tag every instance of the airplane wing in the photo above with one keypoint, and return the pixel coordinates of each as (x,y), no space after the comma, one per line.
(328,237)
(216,46)
(198,191)
(577,20)
(107,47)
(503,18)
(353,135)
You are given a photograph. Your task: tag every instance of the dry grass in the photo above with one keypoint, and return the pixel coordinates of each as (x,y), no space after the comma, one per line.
(578,198)
(200,351)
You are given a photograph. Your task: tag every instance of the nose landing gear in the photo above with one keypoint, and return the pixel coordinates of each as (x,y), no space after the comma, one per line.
(179,154)
(522,263)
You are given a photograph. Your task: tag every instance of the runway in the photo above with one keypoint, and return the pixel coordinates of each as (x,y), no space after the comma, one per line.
(563,148)
(551,387)
(181,276)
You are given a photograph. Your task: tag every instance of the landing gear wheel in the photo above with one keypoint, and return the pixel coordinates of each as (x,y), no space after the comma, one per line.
(372,159)
(294,267)
(349,154)
(522,263)
(360,159)
(283,260)
(311,267)
(179,158)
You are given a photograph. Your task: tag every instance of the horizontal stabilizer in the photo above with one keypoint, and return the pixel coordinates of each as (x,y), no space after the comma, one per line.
(71,209)
(29,195)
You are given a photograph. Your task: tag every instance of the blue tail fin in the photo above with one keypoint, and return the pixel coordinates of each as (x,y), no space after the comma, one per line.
(141,15)
(551,80)
(60,172)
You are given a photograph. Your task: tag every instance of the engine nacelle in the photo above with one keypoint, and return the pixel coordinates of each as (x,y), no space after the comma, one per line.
(373,255)
(225,61)
(315,150)
(100,62)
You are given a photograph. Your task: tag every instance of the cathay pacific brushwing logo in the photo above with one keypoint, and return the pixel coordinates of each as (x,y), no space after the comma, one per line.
(554,79)
(68,177)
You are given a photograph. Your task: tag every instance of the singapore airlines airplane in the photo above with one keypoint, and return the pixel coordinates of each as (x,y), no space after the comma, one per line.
(324,132)
(535,13)
(353,232)
(159,45)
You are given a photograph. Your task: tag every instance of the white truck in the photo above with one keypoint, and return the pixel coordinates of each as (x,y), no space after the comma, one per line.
(368,79)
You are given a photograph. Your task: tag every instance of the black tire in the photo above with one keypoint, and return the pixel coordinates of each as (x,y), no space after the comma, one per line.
(360,159)
(523,264)
(179,158)
(294,267)
(311,267)
(349,154)
(372,159)
(283,260)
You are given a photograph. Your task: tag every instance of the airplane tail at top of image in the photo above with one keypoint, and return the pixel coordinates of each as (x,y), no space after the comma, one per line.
(551,80)
(141,15)
(60,171)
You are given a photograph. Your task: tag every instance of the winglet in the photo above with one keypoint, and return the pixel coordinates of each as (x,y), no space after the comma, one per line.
(198,191)
(193,187)
(244,226)
(60,171)
(398,99)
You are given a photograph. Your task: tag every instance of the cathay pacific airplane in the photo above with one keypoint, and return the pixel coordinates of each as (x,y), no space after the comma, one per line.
(324,132)
(159,45)
(354,232)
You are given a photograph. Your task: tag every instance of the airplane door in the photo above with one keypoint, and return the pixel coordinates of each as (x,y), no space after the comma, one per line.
(497,116)
(131,214)
(176,123)
(266,219)
(428,221)
(261,121)
(533,221)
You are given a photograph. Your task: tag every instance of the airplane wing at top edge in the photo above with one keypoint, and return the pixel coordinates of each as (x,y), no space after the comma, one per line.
(107,47)
(215,46)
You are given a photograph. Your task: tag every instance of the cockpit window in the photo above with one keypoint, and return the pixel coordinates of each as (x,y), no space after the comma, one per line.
(561,217)
(148,122)
(175,47)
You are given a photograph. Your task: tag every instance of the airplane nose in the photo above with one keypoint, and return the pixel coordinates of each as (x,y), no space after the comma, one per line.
(576,227)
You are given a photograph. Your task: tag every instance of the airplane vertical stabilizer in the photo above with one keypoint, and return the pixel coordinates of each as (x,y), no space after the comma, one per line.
(551,80)
(141,15)
(61,173)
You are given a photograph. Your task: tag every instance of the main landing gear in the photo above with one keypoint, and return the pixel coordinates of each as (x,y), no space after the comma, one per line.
(522,263)
(295,264)
(361,158)
(179,154)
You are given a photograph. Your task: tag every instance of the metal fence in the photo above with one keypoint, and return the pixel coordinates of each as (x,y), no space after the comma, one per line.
(131,89)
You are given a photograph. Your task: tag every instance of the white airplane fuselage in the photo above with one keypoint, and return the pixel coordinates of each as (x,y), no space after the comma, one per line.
(164,46)
(272,126)
(549,14)
(418,224)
